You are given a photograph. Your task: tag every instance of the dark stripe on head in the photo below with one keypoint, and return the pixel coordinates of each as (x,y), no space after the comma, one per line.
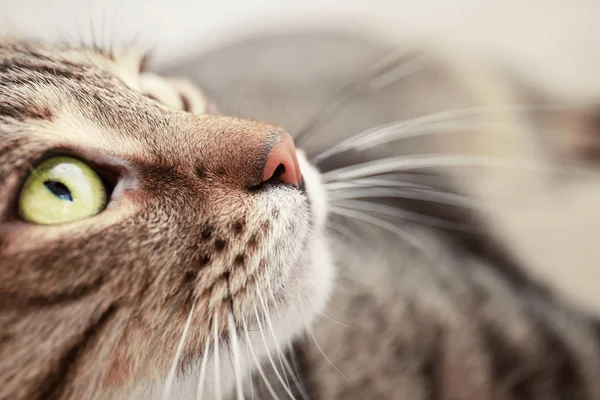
(25,112)
(54,385)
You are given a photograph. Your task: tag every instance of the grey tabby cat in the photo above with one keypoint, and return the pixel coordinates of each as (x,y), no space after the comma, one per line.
(151,249)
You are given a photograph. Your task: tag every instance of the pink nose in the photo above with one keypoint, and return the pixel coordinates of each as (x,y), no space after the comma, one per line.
(282,163)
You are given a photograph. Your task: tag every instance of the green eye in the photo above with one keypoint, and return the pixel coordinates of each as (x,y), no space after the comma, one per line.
(61,189)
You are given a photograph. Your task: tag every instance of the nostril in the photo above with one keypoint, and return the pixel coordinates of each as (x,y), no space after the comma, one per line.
(282,163)
(278,173)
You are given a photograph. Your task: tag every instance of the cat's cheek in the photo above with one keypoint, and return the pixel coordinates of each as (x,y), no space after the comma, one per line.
(118,374)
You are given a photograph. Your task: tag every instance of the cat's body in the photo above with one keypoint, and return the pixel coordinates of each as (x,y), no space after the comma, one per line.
(98,308)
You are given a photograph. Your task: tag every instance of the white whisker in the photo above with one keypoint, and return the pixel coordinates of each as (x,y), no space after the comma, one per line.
(403,130)
(430,196)
(382,223)
(412,162)
(369,79)
(395,180)
(269,323)
(236,357)
(401,71)
(283,361)
(258,366)
(250,372)
(402,127)
(262,334)
(327,358)
(217,364)
(343,231)
(174,364)
(335,320)
(201,378)
(390,211)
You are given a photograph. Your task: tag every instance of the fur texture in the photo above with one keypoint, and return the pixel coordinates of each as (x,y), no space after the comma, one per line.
(96,308)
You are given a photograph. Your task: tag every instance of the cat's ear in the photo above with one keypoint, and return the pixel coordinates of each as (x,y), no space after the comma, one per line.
(177,93)
(575,133)
(566,120)
(130,66)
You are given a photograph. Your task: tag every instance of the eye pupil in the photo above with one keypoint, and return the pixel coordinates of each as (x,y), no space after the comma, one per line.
(59,190)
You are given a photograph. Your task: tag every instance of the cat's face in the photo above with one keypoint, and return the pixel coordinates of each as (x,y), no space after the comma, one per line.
(188,232)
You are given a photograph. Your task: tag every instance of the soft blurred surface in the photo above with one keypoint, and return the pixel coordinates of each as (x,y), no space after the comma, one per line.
(553,39)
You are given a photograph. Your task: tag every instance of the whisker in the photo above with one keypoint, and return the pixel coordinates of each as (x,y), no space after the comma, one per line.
(262,334)
(202,377)
(347,92)
(401,129)
(103,29)
(236,357)
(258,366)
(296,368)
(217,361)
(113,28)
(250,371)
(412,162)
(283,361)
(341,230)
(160,333)
(387,180)
(327,358)
(430,195)
(174,364)
(175,307)
(335,320)
(94,43)
(383,187)
(399,72)
(360,205)
(382,223)
(269,324)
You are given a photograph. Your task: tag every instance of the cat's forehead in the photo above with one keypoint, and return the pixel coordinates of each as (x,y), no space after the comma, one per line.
(85,100)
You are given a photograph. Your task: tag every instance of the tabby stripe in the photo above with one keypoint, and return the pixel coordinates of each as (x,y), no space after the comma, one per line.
(186,105)
(24,112)
(507,364)
(53,69)
(432,369)
(77,293)
(55,384)
(568,376)
(476,242)
(302,364)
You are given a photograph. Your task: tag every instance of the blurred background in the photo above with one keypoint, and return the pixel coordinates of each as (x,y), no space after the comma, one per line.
(535,34)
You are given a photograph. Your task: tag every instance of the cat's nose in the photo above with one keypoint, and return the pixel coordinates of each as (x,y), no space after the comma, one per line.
(282,164)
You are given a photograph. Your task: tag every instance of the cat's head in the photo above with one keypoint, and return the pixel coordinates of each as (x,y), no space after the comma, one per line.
(124,218)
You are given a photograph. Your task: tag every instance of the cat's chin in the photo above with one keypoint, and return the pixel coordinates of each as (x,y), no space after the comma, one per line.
(307,290)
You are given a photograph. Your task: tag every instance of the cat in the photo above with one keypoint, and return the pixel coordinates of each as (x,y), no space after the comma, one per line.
(164,221)
(217,261)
